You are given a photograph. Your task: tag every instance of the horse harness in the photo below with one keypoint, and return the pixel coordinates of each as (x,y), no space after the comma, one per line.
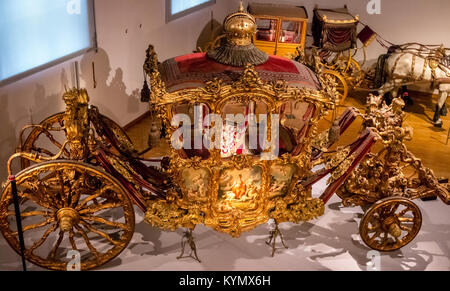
(436,58)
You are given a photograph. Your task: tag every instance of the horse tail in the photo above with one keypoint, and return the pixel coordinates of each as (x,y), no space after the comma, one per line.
(380,72)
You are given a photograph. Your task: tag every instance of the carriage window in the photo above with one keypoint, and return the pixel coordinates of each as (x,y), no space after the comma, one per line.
(179,8)
(290,32)
(267,29)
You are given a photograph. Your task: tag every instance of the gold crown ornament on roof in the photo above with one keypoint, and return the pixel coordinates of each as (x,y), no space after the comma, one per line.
(238,50)
(240,27)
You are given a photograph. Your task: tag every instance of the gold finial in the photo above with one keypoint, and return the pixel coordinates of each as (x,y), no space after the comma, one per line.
(240,27)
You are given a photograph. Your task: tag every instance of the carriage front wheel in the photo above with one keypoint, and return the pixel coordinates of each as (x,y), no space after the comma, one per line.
(341,85)
(73,215)
(390,224)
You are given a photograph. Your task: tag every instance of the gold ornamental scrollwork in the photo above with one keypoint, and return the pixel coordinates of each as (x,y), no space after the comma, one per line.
(249,80)
(383,174)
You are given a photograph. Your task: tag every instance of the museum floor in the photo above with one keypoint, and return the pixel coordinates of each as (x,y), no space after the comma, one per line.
(330,242)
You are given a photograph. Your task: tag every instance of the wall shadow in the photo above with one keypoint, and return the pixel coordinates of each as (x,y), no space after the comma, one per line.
(96,71)
(8,139)
(212,30)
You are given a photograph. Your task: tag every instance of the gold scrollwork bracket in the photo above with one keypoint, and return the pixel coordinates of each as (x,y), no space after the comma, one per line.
(34,157)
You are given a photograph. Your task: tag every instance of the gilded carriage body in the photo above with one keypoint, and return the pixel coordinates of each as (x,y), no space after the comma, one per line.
(232,187)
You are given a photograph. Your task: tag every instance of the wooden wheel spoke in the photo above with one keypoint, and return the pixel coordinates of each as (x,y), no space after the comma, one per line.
(35,226)
(377,234)
(88,242)
(385,238)
(384,211)
(406,228)
(31,213)
(75,192)
(72,240)
(56,143)
(100,233)
(106,222)
(406,219)
(394,208)
(52,253)
(100,207)
(42,240)
(39,189)
(403,212)
(62,195)
(38,201)
(92,197)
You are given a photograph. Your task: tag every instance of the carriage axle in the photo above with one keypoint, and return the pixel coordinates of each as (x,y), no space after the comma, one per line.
(67,218)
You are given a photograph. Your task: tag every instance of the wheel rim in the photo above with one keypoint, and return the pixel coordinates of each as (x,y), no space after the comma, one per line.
(46,142)
(354,74)
(68,206)
(341,87)
(390,224)
(49,142)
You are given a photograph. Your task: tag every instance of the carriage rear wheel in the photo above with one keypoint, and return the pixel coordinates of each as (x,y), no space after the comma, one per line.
(390,224)
(69,211)
(341,85)
(353,73)
(49,137)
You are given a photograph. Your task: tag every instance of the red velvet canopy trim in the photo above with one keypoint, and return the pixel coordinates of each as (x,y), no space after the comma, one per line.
(193,70)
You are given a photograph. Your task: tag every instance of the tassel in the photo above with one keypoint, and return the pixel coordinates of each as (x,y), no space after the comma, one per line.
(154,136)
(238,56)
(145,93)
(163,131)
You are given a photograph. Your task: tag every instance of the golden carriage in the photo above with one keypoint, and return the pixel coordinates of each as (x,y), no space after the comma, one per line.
(281,29)
(80,198)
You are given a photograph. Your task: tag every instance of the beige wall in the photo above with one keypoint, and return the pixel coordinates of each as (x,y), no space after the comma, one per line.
(400,21)
(122,42)
(126,27)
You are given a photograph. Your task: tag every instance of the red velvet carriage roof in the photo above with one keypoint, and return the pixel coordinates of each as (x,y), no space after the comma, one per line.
(193,70)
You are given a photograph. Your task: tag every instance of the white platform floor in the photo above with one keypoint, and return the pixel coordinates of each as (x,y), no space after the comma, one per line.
(330,242)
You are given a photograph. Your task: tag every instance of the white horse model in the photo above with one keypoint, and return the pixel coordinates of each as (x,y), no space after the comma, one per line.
(416,63)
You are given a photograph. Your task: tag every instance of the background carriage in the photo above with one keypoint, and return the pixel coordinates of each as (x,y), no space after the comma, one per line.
(335,39)
(281,29)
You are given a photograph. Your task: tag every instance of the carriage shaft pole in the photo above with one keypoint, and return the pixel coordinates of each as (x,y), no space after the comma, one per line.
(15,196)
